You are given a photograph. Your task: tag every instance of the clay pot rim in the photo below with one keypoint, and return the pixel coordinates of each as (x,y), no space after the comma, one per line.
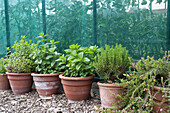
(42,75)
(160,88)
(76,78)
(3,74)
(108,85)
(16,74)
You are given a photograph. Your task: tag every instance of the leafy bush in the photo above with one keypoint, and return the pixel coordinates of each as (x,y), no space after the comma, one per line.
(2,66)
(79,60)
(23,47)
(139,97)
(158,68)
(19,61)
(111,62)
(45,55)
(16,64)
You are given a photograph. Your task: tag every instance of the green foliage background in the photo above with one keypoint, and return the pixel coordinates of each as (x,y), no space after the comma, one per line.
(142,32)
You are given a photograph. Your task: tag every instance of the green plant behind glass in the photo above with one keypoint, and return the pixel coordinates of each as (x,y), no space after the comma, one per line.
(45,55)
(78,61)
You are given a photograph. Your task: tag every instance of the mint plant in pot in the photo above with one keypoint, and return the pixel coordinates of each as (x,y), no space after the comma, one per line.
(110,64)
(77,77)
(19,66)
(4,82)
(46,77)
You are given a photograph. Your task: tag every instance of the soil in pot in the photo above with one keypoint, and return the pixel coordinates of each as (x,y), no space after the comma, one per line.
(20,83)
(77,88)
(46,84)
(159,108)
(4,83)
(108,94)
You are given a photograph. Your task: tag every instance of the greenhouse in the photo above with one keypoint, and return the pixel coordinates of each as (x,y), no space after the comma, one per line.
(85,56)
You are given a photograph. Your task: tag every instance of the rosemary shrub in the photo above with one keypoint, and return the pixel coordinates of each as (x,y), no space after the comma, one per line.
(111,62)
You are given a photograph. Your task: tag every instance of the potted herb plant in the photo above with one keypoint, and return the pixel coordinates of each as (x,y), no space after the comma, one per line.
(148,89)
(19,66)
(110,64)
(4,82)
(159,73)
(77,77)
(46,77)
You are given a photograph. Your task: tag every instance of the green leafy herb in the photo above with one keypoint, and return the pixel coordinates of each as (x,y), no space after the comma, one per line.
(19,61)
(111,62)
(45,55)
(2,66)
(78,61)
(139,96)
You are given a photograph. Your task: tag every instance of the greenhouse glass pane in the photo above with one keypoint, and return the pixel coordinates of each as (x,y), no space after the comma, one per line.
(2,30)
(138,25)
(25,19)
(70,22)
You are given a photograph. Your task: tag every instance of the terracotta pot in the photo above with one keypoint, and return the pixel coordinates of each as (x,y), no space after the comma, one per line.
(159,97)
(20,83)
(4,83)
(108,94)
(77,88)
(46,84)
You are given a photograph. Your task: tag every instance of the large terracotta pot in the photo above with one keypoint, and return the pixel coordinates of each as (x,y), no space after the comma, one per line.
(77,88)
(108,94)
(159,97)
(4,83)
(46,84)
(20,83)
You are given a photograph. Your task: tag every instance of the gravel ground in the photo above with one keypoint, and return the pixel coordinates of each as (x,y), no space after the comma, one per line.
(32,103)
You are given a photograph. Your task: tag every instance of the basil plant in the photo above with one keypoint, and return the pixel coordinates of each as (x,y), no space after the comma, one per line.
(45,55)
(78,61)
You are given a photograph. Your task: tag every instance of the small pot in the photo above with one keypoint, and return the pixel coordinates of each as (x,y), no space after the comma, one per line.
(4,83)
(158,99)
(108,93)
(77,88)
(20,83)
(46,84)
